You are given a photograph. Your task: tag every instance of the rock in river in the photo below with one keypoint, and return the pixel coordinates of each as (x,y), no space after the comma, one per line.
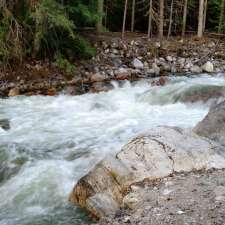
(158,153)
(213,125)
(202,93)
(5,124)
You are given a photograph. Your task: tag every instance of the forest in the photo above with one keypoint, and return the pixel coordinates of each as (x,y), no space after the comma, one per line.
(52,29)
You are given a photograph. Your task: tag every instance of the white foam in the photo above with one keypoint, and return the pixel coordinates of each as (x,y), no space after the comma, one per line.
(63,137)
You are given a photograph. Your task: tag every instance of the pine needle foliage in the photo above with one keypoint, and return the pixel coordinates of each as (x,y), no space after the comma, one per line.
(40,28)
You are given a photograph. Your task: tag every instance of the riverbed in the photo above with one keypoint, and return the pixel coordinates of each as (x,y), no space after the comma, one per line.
(54,141)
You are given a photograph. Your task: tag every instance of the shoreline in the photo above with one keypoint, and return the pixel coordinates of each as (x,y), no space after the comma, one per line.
(117,60)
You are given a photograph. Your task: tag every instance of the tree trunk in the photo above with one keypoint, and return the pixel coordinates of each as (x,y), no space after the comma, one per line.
(184,17)
(150,20)
(221,16)
(171,19)
(100,10)
(200,18)
(133,15)
(39,31)
(205,14)
(124,18)
(161,19)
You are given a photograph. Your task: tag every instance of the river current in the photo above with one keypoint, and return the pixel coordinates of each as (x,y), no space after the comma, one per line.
(54,141)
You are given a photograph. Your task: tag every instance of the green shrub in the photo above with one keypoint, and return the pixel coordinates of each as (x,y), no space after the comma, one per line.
(83,49)
(64,64)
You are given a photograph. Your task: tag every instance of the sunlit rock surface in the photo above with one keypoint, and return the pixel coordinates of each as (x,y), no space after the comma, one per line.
(155,154)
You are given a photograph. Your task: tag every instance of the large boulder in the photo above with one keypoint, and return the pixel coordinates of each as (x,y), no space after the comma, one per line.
(213,125)
(202,93)
(156,154)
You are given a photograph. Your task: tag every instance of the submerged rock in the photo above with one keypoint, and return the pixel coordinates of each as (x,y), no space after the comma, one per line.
(156,154)
(201,93)
(5,124)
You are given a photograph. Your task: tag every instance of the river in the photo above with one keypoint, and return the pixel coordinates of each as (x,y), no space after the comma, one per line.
(53,141)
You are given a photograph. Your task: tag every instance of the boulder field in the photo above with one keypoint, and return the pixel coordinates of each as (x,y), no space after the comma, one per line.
(162,152)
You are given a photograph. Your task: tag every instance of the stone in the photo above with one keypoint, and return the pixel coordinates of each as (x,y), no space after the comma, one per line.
(97,77)
(188,65)
(14,92)
(161,59)
(157,44)
(196,69)
(5,124)
(158,153)
(146,66)
(181,61)
(173,69)
(208,67)
(117,62)
(211,44)
(169,58)
(51,92)
(203,93)
(137,64)
(72,90)
(156,69)
(213,125)
(101,87)
(166,67)
(123,74)
(220,193)
(159,82)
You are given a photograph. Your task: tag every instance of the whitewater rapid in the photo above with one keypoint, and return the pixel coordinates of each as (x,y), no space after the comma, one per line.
(53,141)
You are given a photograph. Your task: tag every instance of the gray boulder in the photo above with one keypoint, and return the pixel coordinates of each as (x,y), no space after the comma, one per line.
(213,125)
(203,93)
(5,124)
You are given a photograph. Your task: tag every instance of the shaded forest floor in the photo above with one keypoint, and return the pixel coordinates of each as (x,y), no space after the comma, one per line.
(43,77)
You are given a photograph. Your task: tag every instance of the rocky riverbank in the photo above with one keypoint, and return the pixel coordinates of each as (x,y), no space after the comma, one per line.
(193,198)
(163,173)
(116,59)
